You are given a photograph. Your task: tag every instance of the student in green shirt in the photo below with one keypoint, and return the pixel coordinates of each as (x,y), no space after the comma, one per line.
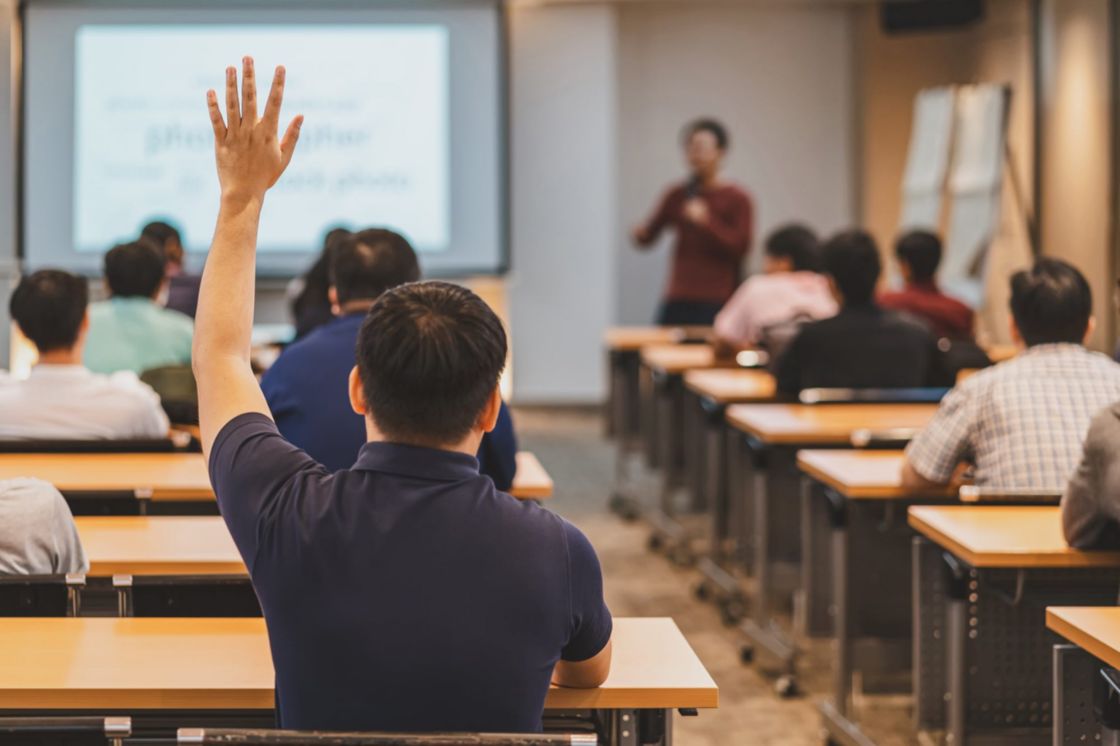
(131,331)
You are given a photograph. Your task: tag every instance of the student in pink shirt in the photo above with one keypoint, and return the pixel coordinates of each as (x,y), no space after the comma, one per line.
(791,288)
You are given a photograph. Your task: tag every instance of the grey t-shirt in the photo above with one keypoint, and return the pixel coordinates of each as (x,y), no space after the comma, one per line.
(37,531)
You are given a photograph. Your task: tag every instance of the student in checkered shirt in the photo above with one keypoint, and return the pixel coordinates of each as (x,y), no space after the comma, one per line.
(1021,424)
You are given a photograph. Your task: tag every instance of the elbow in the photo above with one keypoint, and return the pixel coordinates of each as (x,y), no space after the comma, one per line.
(912,480)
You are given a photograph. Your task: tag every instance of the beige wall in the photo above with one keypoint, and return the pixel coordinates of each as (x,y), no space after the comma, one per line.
(1077,201)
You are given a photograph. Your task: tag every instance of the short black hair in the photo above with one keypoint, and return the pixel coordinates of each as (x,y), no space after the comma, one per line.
(921,251)
(367,263)
(707,124)
(160,232)
(134,269)
(1051,302)
(48,306)
(797,243)
(852,259)
(429,356)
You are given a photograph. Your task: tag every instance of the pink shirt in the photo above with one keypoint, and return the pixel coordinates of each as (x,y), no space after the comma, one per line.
(766,300)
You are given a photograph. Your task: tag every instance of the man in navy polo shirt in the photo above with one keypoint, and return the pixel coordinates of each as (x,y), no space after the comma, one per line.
(406,593)
(306,387)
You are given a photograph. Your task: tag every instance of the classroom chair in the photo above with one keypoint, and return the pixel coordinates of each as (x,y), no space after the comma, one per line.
(185,596)
(929,395)
(64,731)
(296,738)
(41,595)
(178,392)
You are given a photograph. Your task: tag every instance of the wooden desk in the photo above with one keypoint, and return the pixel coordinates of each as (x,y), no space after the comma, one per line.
(728,385)
(1095,631)
(676,359)
(159,476)
(1004,536)
(633,338)
(224,664)
(862,475)
(162,545)
(824,424)
(182,477)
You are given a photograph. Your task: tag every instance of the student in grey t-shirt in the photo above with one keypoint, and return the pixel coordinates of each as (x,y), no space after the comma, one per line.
(37,532)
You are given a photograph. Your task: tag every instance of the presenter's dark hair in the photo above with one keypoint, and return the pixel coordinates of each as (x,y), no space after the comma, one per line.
(797,243)
(921,251)
(48,306)
(1051,302)
(713,126)
(134,269)
(367,263)
(161,233)
(851,258)
(429,357)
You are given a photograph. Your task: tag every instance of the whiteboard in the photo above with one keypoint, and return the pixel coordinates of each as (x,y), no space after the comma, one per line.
(927,161)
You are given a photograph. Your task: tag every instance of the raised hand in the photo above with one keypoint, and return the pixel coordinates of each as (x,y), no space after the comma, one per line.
(249,154)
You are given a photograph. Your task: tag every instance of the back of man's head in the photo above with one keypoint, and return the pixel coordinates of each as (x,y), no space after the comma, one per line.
(134,269)
(429,358)
(1051,302)
(921,252)
(797,244)
(166,236)
(365,264)
(851,259)
(49,306)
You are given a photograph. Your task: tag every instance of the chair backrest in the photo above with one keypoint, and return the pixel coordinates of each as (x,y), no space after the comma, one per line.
(40,595)
(873,396)
(186,596)
(64,731)
(178,392)
(296,738)
(970,493)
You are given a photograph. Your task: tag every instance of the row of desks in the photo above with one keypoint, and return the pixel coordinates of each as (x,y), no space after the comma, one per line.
(181,477)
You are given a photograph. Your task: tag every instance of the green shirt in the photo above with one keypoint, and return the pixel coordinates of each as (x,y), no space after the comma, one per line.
(136,334)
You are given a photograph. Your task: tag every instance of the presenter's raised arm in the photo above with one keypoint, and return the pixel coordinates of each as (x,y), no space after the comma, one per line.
(250,158)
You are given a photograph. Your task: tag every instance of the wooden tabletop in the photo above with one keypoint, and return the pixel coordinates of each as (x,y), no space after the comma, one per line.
(633,338)
(1004,536)
(1095,629)
(728,385)
(183,476)
(863,475)
(824,424)
(163,545)
(224,664)
(165,476)
(679,358)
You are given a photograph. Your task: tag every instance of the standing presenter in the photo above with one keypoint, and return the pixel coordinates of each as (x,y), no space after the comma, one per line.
(712,219)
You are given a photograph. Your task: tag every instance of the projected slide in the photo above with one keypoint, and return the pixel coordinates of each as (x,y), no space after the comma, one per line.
(374,148)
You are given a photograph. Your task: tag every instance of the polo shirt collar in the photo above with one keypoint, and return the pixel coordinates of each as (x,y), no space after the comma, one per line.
(415,461)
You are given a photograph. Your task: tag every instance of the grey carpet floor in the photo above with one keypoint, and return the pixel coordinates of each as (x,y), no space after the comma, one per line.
(571,445)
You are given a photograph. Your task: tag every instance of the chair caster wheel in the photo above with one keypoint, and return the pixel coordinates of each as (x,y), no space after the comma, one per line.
(702,592)
(732,612)
(655,543)
(786,687)
(746,655)
(629,514)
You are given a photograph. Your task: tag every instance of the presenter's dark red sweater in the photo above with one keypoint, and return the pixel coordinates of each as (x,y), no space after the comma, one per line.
(706,258)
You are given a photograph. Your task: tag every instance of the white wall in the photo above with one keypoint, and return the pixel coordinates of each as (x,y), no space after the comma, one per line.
(781,78)
(563,104)
(8,272)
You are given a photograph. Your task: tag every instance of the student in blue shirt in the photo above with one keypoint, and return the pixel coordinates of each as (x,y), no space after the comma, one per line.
(306,387)
(406,593)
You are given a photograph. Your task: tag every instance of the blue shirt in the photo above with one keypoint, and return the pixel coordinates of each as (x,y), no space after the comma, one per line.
(307,389)
(406,593)
(136,334)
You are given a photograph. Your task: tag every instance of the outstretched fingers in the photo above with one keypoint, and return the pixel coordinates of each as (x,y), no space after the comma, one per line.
(288,143)
(233,112)
(215,115)
(248,92)
(271,116)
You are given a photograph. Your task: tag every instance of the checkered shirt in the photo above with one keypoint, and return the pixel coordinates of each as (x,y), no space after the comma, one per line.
(1021,424)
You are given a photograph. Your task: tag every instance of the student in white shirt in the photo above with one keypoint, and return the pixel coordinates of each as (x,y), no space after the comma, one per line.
(62,399)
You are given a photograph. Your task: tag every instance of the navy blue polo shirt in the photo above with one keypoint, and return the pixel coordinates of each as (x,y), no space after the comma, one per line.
(308,392)
(405,593)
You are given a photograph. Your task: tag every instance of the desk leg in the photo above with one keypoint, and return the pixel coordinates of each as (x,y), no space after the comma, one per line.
(956,631)
(928,589)
(812,612)
(1075,672)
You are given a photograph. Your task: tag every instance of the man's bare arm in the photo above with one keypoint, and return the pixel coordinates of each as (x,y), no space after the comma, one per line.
(250,159)
(586,674)
(912,480)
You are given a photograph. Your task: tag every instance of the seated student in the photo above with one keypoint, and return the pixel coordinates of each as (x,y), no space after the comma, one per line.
(1091,503)
(61,399)
(306,387)
(406,593)
(862,346)
(919,254)
(1021,423)
(131,331)
(182,287)
(37,532)
(311,305)
(791,288)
